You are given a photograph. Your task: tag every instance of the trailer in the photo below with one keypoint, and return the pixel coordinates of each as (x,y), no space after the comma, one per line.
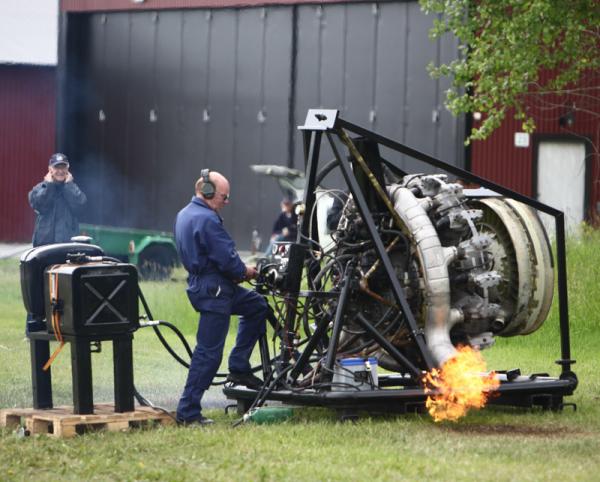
(153,252)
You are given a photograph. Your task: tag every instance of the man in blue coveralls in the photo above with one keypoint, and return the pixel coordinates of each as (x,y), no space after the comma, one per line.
(208,254)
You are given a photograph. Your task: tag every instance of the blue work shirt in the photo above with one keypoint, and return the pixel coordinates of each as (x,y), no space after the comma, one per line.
(208,254)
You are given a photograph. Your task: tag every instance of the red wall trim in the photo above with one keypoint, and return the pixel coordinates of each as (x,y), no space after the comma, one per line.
(114,5)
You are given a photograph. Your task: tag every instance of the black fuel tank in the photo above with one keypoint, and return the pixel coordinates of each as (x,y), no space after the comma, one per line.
(33,264)
(92,299)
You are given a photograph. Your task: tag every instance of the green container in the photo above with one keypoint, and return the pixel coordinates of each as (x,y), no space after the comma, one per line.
(269,415)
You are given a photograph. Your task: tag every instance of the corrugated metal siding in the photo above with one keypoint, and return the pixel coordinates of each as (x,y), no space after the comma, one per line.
(115,5)
(222,91)
(499,160)
(370,62)
(27,128)
(178,91)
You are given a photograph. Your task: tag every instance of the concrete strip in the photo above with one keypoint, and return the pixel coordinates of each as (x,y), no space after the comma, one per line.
(10,250)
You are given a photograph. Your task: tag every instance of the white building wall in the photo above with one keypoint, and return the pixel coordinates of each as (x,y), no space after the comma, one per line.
(29,31)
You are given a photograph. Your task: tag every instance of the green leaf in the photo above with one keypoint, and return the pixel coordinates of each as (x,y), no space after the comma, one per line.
(504,44)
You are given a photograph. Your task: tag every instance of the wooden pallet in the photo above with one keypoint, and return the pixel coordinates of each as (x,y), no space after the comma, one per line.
(62,422)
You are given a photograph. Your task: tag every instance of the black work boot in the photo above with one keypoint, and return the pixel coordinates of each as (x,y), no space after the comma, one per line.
(247,379)
(196,422)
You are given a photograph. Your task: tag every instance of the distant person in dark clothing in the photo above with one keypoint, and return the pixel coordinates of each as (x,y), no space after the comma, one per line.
(57,202)
(285,227)
(286,224)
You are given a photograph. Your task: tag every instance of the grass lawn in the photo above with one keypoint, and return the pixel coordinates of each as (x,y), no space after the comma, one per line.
(491,444)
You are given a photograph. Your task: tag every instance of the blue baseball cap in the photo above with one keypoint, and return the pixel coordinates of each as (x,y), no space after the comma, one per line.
(58,159)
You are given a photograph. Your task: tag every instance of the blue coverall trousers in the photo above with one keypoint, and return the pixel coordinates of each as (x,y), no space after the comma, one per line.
(210,341)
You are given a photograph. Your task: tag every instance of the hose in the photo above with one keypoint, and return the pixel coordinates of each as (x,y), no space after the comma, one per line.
(144,402)
(160,335)
(156,323)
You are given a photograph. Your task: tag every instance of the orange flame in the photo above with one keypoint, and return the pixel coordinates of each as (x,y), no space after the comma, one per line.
(460,384)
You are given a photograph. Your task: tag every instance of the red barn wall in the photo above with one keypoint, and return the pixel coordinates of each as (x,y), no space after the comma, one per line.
(497,158)
(27,130)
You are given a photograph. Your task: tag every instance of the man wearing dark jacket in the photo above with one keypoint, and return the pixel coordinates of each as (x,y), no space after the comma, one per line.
(57,202)
(208,254)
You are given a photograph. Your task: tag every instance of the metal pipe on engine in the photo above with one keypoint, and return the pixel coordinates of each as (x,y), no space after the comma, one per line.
(433,260)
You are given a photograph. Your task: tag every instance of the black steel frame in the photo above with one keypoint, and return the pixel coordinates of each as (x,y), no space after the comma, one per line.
(81,371)
(536,390)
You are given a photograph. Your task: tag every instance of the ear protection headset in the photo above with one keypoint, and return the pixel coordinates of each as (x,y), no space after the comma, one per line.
(208,189)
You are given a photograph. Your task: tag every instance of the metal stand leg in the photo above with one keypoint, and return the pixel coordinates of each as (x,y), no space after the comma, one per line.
(265,358)
(81,369)
(123,373)
(337,323)
(41,381)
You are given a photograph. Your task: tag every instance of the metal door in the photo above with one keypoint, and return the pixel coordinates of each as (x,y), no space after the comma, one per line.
(561,181)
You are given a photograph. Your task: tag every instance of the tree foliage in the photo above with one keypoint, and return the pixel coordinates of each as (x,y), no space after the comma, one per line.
(505,44)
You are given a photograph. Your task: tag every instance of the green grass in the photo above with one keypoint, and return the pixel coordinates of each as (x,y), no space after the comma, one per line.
(490,444)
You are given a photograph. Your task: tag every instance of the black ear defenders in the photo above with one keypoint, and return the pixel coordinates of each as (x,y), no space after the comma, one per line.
(208,189)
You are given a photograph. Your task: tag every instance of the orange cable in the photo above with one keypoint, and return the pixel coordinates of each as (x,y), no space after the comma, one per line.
(53,284)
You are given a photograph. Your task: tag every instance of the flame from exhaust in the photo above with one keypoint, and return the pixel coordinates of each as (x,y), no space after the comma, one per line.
(460,384)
